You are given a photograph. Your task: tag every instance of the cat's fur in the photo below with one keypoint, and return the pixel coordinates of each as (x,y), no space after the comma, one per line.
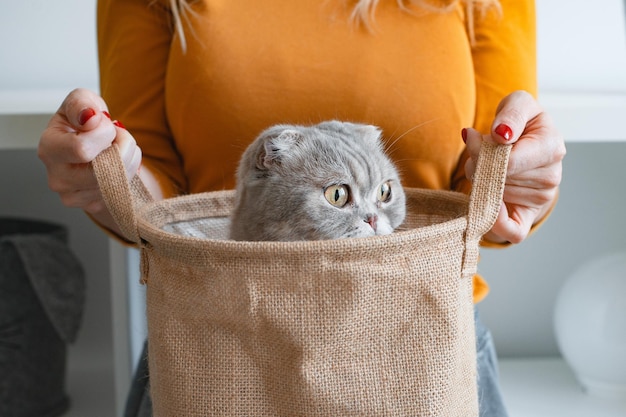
(283,180)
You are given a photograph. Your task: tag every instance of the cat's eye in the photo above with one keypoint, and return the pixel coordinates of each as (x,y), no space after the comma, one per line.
(337,195)
(384,193)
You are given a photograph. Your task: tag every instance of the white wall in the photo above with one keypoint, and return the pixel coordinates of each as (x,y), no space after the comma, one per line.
(581,46)
(47,45)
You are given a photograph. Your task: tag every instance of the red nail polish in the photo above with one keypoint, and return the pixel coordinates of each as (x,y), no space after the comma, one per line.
(106,113)
(118,124)
(85,115)
(504,131)
(464,135)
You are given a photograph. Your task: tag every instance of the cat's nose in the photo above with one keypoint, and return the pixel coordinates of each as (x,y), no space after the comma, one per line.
(371,219)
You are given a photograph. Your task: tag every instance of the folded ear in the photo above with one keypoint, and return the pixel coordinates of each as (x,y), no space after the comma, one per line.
(370,133)
(276,148)
(367,133)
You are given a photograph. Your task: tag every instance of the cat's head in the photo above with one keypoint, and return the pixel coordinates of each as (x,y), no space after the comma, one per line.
(327,181)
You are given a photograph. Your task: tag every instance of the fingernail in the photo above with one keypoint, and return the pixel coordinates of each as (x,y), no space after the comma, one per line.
(464,135)
(106,113)
(85,115)
(118,124)
(504,131)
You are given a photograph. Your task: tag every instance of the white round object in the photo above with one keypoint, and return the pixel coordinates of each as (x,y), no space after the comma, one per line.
(590,325)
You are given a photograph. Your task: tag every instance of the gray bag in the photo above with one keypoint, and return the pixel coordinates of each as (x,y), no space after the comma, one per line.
(42,294)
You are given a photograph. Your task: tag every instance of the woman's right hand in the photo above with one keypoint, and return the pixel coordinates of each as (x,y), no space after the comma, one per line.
(76,134)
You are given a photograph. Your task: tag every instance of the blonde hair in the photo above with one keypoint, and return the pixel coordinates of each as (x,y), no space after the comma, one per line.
(362,13)
(181,10)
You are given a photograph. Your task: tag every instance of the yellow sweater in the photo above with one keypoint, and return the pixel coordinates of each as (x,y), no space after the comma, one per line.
(250,64)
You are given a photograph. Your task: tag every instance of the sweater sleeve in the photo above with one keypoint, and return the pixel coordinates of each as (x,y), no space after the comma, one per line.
(504,56)
(134,41)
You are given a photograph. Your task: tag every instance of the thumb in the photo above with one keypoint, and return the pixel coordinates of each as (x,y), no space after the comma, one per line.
(514,113)
(83,110)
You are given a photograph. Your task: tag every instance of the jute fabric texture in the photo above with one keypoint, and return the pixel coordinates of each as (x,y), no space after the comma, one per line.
(379,326)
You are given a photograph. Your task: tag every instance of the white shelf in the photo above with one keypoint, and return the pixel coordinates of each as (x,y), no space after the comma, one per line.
(546,387)
(24,114)
(31,102)
(21,131)
(581,117)
(587,117)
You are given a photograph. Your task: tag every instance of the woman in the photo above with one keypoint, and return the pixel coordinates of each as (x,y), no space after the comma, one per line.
(195,82)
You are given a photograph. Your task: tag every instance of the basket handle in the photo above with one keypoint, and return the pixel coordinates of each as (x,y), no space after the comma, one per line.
(122,197)
(485,199)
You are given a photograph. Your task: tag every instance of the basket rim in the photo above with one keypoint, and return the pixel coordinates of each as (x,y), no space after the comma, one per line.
(169,211)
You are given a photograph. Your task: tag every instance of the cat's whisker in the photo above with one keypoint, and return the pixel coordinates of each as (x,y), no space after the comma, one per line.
(409,160)
(390,146)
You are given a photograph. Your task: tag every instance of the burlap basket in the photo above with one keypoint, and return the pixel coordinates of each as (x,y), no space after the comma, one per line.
(379,326)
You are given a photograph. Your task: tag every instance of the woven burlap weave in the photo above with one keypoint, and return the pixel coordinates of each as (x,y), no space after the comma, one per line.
(378,326)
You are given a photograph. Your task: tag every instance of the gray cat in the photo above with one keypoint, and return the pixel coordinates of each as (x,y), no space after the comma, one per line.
(327,181)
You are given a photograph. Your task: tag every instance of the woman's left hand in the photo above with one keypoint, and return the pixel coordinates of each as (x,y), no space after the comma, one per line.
(535,164)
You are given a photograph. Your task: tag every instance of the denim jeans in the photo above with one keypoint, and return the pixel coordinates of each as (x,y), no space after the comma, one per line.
(490,400)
